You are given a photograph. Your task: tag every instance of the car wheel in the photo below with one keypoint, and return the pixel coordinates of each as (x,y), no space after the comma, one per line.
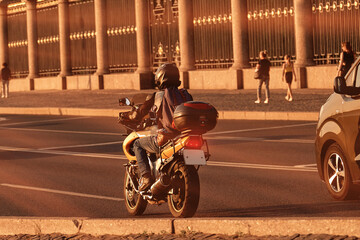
(337,174)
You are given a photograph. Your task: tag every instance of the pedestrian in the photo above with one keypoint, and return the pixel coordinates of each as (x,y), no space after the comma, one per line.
(347,58)
(288,75)
(263,68)
(5,78)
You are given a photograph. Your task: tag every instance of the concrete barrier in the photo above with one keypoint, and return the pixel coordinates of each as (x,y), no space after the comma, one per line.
(228,226)
(317,77)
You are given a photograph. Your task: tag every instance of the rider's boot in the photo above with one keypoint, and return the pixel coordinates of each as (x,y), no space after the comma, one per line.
(145,182)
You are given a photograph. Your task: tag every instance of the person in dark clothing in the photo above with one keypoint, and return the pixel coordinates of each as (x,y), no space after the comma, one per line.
(347,58)
(5,78)
(263,67)
(163,103)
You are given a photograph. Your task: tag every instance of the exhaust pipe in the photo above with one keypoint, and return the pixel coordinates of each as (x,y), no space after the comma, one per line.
(161,186)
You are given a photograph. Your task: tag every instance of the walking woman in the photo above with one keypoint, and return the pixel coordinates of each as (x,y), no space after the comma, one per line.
(288,75)
(263,67)
(347,58)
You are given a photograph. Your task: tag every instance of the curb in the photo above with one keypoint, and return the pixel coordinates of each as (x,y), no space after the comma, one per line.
(223,115)
(227,226)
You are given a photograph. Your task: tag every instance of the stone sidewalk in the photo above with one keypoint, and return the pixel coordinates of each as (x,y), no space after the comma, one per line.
(231,104)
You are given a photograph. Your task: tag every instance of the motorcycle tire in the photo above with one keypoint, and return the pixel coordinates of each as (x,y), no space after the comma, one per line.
(184,200)
(135,204)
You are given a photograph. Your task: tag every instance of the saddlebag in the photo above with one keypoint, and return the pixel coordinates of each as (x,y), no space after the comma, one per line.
(197,117)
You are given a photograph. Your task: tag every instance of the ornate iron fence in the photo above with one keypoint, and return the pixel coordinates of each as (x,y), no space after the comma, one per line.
(48,41)
(17,42)
(271,28)
(121,35)
(82,37)
(165,46)
(335,22)
(213,34)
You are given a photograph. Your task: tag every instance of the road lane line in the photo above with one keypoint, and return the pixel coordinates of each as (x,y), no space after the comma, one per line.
(2,119)
(64,153)
(43,121)
(61,131)
(261,166)
(250,139)
(61,192)
(82,145)
(260,129)
(298,168)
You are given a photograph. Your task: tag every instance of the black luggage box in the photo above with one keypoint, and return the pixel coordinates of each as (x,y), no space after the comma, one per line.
(197,117)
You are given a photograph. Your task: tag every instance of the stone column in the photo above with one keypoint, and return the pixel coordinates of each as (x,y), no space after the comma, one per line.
(64,38)
(31,23)
(101,38)
(303,40)
(186,35)
(142,36)
(303,33)
(240,34)
(4,49)
(143,44)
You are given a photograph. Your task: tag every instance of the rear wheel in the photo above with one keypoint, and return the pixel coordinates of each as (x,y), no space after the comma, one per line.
(337,174)
(134,203)
(186,191)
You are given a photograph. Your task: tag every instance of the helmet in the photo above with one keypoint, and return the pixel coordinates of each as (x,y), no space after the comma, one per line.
(167,75)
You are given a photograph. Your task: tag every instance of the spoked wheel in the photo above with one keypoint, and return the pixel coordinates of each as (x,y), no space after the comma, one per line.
(134,203)
(337,175)
(186,191)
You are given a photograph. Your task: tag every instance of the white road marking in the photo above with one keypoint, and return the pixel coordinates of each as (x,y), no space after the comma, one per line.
(64,153)
(122,157)
(61,131)
(261,166)
(43,121)
(2,119)
(306,165)
(260,129)
(250,139)
(82,145)
(61,192)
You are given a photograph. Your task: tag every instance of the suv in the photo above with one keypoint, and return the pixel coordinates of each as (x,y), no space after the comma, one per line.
(337,143)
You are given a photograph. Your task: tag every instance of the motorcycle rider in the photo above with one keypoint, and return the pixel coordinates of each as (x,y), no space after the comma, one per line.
(163,104)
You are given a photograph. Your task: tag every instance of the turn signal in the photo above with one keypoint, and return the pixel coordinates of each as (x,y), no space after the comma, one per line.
(194,142)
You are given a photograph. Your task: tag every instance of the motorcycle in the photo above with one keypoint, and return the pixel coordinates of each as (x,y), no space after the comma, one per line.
(175,168)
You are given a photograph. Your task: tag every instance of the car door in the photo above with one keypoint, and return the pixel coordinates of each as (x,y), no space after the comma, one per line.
(350,122)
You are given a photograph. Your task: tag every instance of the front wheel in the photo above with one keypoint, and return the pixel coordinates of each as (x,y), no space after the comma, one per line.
(184,200)
(337,174)
(134,203)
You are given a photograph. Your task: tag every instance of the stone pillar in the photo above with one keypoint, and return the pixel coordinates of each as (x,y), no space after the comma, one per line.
(186,35)
(102,55)
(303,40)
(142,36)
(64,38)
(240,34)
(4,49)
(303,33)
(31,24)
(143,43)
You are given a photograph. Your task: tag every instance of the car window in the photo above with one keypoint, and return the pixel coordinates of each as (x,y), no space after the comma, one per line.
(350,78)
(357,80)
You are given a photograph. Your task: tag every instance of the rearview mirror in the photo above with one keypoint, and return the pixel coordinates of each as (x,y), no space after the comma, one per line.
(341,88)
(124,102)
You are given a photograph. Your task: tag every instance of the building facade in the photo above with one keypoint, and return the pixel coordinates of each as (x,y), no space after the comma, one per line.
(69,44)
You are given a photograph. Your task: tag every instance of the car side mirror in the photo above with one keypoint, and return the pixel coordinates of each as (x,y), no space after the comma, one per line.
(124,102)
(341,88)
(340,85)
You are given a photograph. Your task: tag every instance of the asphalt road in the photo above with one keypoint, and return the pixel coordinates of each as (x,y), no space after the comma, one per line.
(73,167)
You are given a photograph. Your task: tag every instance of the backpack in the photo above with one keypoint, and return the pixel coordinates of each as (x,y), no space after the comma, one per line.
(172,97)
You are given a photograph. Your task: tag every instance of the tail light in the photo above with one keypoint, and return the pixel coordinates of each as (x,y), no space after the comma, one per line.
(194,142)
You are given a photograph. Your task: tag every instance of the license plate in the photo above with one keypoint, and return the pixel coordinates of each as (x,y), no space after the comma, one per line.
(194,157)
